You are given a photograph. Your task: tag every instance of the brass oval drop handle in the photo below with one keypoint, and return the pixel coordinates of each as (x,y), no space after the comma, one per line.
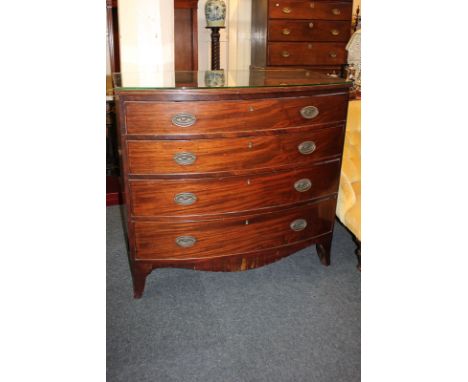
(335,32)
(336,11)
(333,54)
(307,147)
(286,10)
(185,241)
(286,31)
(185,159)
(303,185)
(309,112)
(298,225)
(184,119)
(185,198)
(285,54)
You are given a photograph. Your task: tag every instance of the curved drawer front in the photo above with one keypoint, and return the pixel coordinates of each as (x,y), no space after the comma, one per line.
(303,53)
(309,30)
(199,156)
(204,239)
(204,117)
(300,9)
(232,194)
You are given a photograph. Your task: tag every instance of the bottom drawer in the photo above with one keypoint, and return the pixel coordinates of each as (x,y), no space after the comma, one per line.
(212,238)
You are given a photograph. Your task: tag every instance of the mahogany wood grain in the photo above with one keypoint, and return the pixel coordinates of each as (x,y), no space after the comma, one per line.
(238,116)
(301,30)
(304,53)
(216,196)
(157,240)
(300,9)
(225,155)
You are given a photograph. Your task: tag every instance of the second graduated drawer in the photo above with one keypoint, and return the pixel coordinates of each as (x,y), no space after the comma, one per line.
(187,197)
(205,117)
(232,155)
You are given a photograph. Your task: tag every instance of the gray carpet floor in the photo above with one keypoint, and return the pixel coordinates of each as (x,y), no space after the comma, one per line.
(293,320)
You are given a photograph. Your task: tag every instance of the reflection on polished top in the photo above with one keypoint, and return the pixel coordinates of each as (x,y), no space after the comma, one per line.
(147,80)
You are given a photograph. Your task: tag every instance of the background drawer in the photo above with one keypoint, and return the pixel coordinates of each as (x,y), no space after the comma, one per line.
(231,116)
(311,30)
(224,155)
(157,240)
(217,196)
(303,53)
(300,9)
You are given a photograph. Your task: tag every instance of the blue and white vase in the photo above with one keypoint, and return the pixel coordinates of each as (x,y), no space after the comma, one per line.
(214,78)
(215,12)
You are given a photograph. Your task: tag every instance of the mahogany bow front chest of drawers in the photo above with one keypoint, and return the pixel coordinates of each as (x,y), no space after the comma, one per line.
(230,179)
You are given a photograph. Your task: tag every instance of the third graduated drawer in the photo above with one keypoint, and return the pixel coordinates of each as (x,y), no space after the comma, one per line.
(189,197)
(214,117)
(233,155)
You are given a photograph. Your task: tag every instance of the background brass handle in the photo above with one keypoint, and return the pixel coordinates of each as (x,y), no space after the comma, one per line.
(303,185)
(286,10)
(183,119)
(185,198)
(285,53)
(185,159)
(311,25)
(286,31)
(298,225)
(333,54)
(307,147)
(335,32)
(309,112)
(185,241)
(336,11)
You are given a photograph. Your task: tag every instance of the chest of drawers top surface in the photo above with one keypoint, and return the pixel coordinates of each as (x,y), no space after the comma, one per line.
(230,178)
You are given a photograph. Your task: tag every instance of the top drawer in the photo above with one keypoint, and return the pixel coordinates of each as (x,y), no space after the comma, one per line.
(300,9)
(203,117)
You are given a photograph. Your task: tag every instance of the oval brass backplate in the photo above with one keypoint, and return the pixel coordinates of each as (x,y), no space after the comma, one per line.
(309,112)
(303,185)
(185,198)
(185,241)
(307,147)
(298,225)
(183,119)
(185,159)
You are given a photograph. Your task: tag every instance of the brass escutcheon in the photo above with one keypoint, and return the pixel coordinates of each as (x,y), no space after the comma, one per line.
(298,225)
(285,53)
(185,241)
(185,159)
(184,119)
(307,147)
(335,32)
(286,10)
(311,25)
(286,31)
(336,11)
(309,112)
(333,54)
(303,185)
(185,198)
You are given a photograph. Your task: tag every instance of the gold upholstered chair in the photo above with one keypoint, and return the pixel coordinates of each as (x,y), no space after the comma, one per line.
(349,197)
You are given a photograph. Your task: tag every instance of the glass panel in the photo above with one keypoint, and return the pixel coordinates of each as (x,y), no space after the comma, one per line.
(151,79)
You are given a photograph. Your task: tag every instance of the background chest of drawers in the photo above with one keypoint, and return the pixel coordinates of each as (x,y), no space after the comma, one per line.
(300,33)
(229,179)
